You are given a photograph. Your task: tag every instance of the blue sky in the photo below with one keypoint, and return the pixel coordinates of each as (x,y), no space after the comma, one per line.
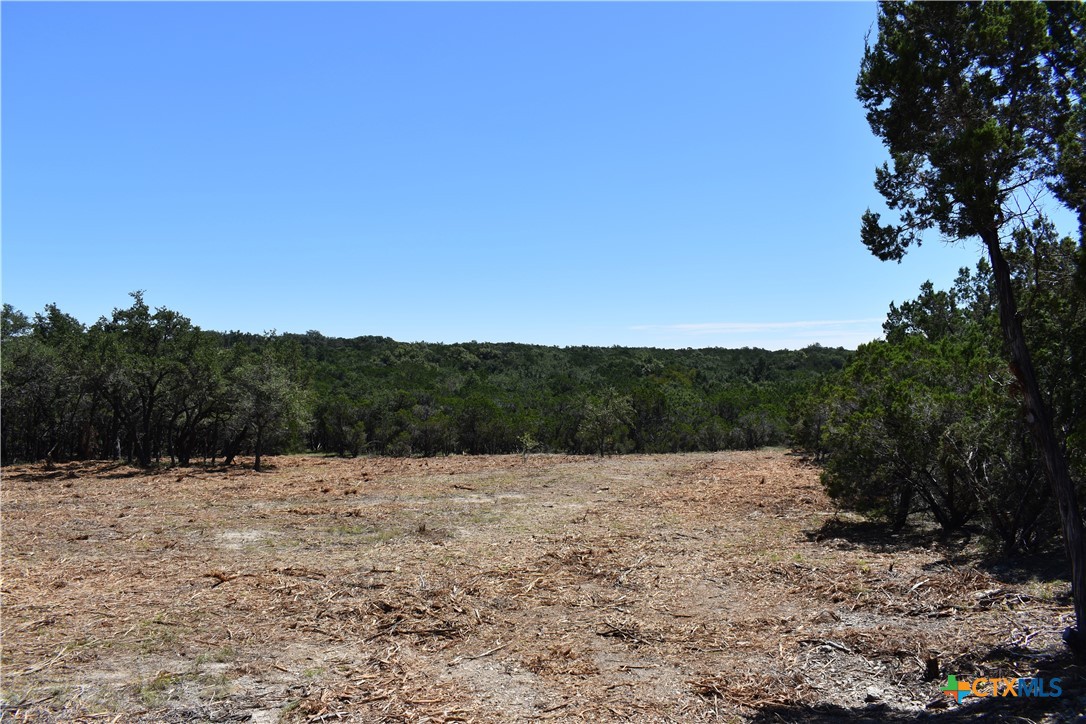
(670,175)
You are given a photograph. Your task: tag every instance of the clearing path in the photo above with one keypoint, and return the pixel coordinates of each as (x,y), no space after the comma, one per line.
(681,588)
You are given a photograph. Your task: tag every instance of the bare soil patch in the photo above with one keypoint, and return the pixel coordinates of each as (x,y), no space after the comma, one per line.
(643,588)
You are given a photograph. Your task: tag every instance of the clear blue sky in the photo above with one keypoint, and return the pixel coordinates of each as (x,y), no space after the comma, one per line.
(671,175)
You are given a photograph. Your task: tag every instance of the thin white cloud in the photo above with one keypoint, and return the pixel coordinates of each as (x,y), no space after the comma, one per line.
(746,327)
(848,333)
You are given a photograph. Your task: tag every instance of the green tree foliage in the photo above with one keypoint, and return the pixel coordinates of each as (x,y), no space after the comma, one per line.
(482,398)
(146,385)
(891,434)
(43,396)
(605,422)
(140,385)
(980,107)
(13,323)
(266,404)
(339,423)
(156,379)
(923,423)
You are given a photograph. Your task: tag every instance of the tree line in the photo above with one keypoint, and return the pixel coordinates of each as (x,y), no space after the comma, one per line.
(141,385)
(147,386)
(926,424)
(979,106)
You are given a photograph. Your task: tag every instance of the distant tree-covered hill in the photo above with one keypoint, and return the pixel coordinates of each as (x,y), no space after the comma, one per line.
(487,398)
(149,386)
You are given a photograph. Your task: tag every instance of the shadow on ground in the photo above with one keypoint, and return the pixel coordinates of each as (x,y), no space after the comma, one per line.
(987,710)
(958,549)
(1070,706)
(878,537)
(1052,566)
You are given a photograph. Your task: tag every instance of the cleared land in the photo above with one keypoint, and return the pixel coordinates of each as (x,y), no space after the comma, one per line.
(649,588)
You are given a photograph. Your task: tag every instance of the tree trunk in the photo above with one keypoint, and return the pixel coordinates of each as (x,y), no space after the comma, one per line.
(145,450)
(1039,421)
(903,507)
(183,444)
(233,446)
(259,440)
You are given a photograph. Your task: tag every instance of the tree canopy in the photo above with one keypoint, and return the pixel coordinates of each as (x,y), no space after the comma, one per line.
(980,107)
(147,385)
(921,426)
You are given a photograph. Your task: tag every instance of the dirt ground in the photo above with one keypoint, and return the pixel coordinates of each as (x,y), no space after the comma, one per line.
(701,587)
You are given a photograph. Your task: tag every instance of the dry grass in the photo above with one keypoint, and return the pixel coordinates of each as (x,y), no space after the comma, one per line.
(644,588)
